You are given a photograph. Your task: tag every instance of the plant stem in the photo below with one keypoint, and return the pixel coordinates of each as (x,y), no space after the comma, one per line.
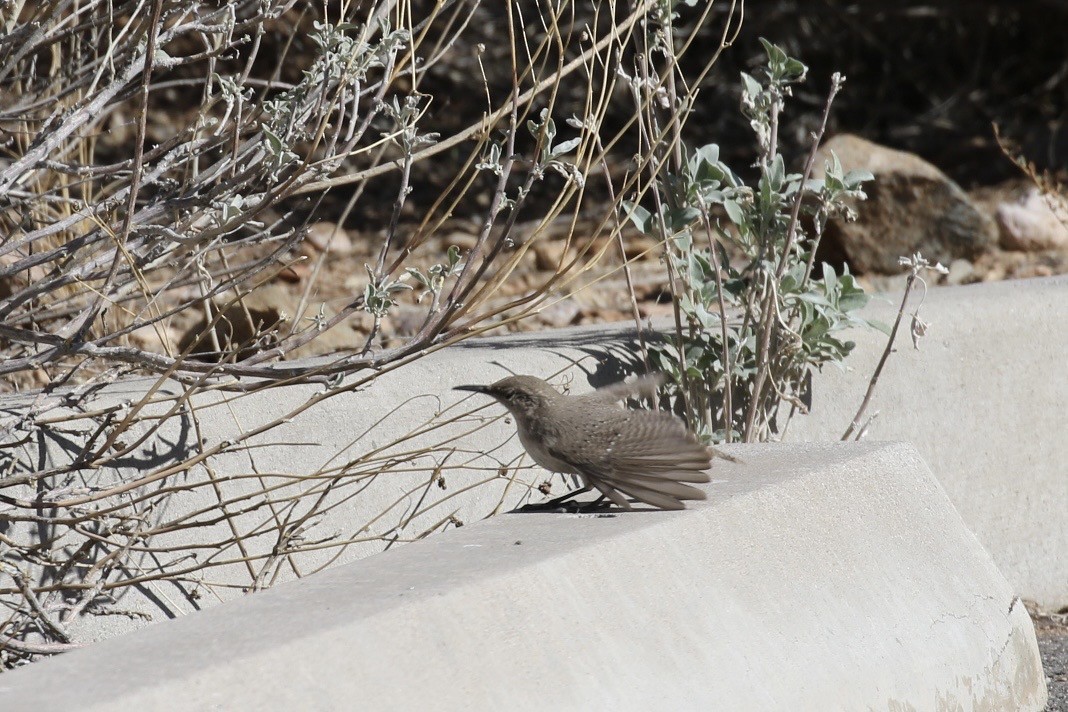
(855,424)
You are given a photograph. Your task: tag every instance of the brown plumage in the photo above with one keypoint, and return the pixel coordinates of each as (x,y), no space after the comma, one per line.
(646,455)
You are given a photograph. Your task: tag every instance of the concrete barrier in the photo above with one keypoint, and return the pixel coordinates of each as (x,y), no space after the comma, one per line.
(979,401)
(983,400)
(815,577)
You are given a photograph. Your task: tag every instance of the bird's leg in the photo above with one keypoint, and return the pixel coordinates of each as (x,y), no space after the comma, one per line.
(563,503)
(554,503)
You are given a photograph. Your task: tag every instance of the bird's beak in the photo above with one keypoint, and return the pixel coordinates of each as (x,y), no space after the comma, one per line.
(473,389)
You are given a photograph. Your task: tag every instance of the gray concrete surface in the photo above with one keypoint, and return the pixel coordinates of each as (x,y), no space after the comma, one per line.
(815,577)
(980,401)
(984,401)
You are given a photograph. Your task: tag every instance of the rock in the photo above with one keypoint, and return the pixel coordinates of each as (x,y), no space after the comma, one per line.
(160,338)
(641,247)
(1014,264)
(559,314)
(463,240)
(294,274)
(247,324)
(912,207)
(960,271)
(1035,222)
(549,255)
(271,309)
(636,247)
(598,315)
(406,320)
(325,235)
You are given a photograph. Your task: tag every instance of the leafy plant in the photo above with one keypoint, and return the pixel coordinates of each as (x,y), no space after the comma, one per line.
(754,317)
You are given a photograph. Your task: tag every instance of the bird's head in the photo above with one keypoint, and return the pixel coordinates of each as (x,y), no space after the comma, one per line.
(523,395)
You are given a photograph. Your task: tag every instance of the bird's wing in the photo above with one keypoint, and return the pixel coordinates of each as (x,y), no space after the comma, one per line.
(658,445)
(650,458)
(641,387)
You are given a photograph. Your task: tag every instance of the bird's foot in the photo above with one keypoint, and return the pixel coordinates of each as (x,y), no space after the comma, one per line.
(567,505)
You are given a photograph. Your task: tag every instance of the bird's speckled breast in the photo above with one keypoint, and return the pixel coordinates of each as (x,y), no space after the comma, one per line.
(536,448)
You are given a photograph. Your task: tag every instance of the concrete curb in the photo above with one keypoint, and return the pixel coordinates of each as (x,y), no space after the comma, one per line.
(983,400)
(1002,467)
(814,578)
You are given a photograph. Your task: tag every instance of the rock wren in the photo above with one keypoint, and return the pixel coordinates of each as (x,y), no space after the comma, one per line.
(643,454)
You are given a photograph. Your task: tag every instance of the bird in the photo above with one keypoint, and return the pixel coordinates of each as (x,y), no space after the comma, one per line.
(649,456)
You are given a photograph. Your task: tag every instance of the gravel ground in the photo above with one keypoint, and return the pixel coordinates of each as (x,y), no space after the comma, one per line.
(1052,631)
(1055,661)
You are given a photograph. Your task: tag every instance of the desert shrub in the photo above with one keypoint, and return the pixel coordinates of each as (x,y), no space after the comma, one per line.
(754,313)
(162,163)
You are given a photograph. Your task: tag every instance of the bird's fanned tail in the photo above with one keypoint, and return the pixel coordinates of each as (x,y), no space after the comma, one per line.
(663,493)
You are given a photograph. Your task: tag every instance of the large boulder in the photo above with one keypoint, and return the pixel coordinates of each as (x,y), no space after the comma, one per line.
(911,207)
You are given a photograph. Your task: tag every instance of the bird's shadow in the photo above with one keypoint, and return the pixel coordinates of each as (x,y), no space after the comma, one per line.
(600,508)
(588,508)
